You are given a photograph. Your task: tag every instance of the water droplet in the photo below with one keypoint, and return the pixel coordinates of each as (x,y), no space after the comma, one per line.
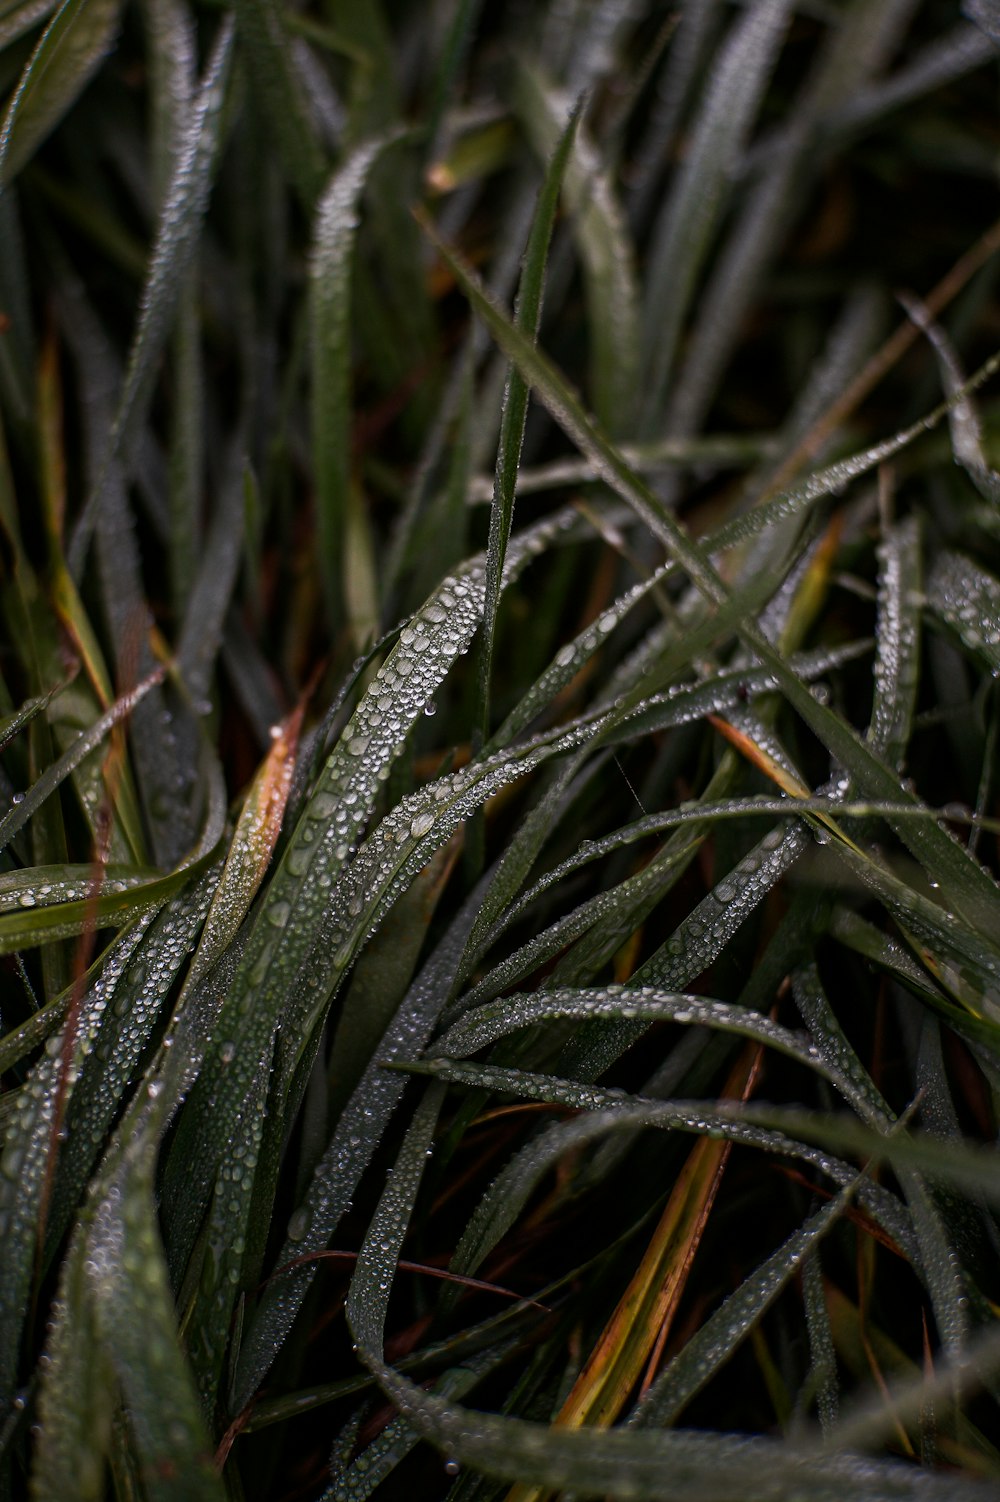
(422,824)
(321,806)
(299,1224)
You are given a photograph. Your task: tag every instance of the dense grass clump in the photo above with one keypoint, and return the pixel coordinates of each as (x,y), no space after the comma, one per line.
(500,581)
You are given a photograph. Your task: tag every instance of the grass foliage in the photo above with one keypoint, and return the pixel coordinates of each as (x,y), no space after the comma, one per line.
(500,580)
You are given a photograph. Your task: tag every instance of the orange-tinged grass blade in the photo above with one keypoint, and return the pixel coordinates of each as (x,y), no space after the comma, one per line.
(65,598)
(764,762)
(761,759)
(864,1348)
(253,844)
(959,1442)
(640,1324)
(811,593)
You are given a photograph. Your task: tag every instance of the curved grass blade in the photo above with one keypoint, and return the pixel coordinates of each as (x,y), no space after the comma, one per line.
(698,1118)
(965,426)
(290,971)
(121,1002)
(65,58)
(46,784)
(28,1144)
(830,1041)
(115,1042)
(715,1341)
(354,1142)
(35,923)
(482,1026)
(32,887)
(12,724)
(620,1462)
(967,886)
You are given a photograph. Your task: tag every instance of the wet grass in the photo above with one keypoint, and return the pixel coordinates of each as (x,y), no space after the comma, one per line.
(498,751)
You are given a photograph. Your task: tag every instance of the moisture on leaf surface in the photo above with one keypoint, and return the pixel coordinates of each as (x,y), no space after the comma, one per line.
(499,731)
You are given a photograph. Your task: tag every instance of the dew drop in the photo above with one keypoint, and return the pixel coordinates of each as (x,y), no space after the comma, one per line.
(299,1224)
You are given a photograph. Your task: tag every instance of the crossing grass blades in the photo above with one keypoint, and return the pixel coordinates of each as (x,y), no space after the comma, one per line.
(501,619)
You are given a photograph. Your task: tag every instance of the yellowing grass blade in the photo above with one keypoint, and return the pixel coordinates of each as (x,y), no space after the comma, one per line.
(639,1327)
(253,845)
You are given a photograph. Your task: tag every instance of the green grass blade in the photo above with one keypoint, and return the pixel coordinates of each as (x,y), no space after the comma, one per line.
(896,673)
(176,241)
(619,1463)
(354,1141)
(967,885)
(515,405)
(967,599)
(276,77)
(831,1042)
(337,217)
(688,219)
(77,1397)
(752,1128)
(65,58)
(135,1322)
(701,1357)
(50,779)
(605,249)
